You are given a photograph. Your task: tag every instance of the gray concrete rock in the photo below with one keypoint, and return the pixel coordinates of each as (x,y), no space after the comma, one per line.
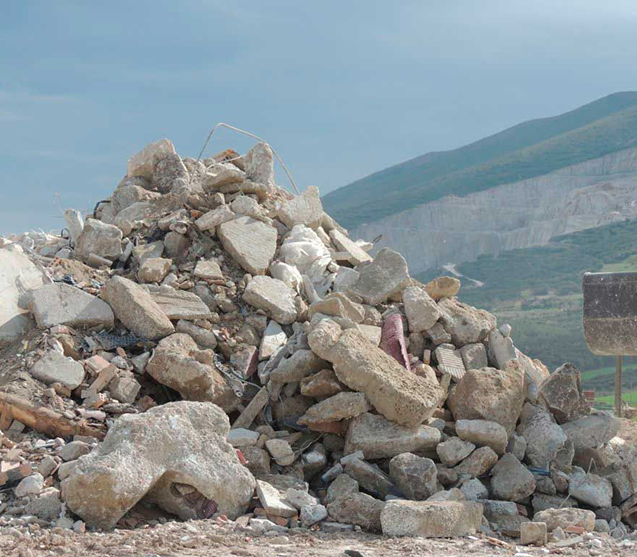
(464,323)
(378,437)
(143,163)
(474,356)
(303,209)
(273,339)
(510,479)
(341,406)
(562,394)
(370,478)
(422,312)
(338,304)
(500,349)
(46,507)
(135,308)
(474,490)
(179,364)
(517,446)
(442,287)
(214,218)
(250,242)
(179,304)
(477,463)
(274,297)
(359,509)
(454,450)
(221,174)
(74,450)
(343,485)
(563,518)
(544,438)
(483,433)
(31,485)
(101,239)
(54,367)
(179,443)
(63,304)
(416,477)
(590,489)
(592,431)
(406,399)
(312,514)
(298,366)
(388,274)
(259,164)
(431,519)
(490,394)
(154,269)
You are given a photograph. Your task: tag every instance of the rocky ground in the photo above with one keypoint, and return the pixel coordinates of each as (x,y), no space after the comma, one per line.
(210,362)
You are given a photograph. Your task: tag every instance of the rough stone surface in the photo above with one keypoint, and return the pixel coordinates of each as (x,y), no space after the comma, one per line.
(356,256)
(592,431)
(101,239)
(31,485)
(250,242)
(386,275)
(590,489)
(431,519)
(342,406)
(154,269)
(442,287)
(474,490)
(500,349)
(135,308)
(544,438)
(214,218)
(274,337)
(407,400)
(483,433)
(422,312)
(454,450)
(179,304)
(378,437)
(304,209)
(477,463)
(179,442)
(46,507)
(54,367)
(272,296)
(474,356)
(343,485)
(490,394)
(510,480)
(273,501)
(337,304)
(464,323)
(321,384)
(259,164)
(563,518)
(143,163)
(415,477)
(63,304)
(17,276)
(533,533)
(208,269)
(301,364)
(370,478)
(179,364)
(359,509)
(562,394)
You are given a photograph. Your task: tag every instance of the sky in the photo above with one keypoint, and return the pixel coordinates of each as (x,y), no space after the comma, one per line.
(339,88)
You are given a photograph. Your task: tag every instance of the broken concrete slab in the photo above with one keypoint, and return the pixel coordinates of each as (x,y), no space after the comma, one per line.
(341,406)
(98,238)
(408,400)
(454,450)
(139,450)
(338,304)
(55,367)
(355,255)
(273,339)
(474,356)
(136,309)
(590,489)
(416,477)
(303,209)
(18,275)
(210,220)
(431,519)
(388,274)
(422,312)
(483,433)
(179,364)
(511,480)
(592,431)
(179,304)
(154,269)
(272,296)
(301,364)
(562,393)
(259,164)
(563,518)
(464,323)
(544,438)
(442,287)
(144,162)
(208,269)
(359,509)
(477,463)
(378,437)
(273,501)
(321,384)
(250,242)
(63,304)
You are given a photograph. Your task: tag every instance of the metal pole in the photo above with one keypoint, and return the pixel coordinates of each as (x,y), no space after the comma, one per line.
(618,387)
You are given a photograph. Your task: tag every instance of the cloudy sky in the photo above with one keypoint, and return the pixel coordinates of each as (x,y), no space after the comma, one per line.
(340,89)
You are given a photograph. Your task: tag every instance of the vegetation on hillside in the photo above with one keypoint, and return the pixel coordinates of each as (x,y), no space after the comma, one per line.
(538,291)
(527,150)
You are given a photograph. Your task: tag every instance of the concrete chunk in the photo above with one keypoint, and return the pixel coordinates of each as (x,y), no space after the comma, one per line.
(98,238)
(54,367)
(303,209)
(179,304)
(250,242)
(272,296)
(422,312)
(388,274)
(431,519)
(483,433)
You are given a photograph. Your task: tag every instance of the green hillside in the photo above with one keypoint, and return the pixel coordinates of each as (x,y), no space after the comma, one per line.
(523,151)
(538,291)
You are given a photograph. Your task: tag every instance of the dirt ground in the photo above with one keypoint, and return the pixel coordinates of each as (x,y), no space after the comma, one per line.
(209,538)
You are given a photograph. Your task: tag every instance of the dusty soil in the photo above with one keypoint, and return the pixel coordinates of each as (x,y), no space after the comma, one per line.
(208,538)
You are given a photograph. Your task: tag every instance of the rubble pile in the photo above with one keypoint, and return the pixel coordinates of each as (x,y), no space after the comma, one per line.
(206,344)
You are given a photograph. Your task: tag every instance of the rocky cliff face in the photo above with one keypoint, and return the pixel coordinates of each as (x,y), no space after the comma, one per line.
(527,213)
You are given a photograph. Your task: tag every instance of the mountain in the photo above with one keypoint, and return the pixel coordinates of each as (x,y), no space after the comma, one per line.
(516,189)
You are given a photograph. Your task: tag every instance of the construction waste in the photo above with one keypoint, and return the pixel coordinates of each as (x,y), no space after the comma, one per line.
(206,345)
